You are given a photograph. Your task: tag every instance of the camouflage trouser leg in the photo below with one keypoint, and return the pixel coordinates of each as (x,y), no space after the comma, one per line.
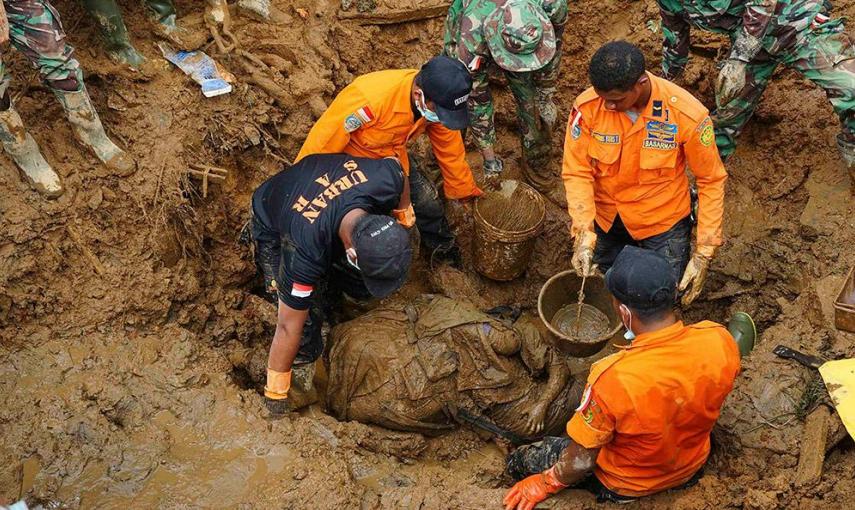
(730,120)
(535,139)
(827,58)
(35,30)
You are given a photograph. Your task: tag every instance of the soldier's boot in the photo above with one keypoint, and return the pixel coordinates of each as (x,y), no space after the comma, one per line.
(113,30)
(741,327)
(546,109)
(90,131)
(847,149)
(24,150)
(261,10)
(168,27)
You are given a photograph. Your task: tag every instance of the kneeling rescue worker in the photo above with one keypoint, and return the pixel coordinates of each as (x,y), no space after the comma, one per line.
(644,422)
(379,113)
(321,228)
(629,141)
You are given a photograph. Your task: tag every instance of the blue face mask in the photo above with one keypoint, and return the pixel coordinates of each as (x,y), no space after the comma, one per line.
(629,335)
(429,115)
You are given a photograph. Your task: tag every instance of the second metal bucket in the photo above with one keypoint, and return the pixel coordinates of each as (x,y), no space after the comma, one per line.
(503,253)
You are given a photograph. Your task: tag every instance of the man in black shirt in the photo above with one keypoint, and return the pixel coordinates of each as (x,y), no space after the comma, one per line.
(319,226)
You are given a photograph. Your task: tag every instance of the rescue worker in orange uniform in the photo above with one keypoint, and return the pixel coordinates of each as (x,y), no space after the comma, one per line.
(379,113)
(644,422)
(630,139)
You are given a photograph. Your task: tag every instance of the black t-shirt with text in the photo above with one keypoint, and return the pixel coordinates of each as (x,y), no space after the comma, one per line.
(305,205)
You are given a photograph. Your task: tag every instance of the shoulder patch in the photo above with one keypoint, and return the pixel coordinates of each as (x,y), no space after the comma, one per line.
(575,126)
(365,114)
(301,290)
(352,123)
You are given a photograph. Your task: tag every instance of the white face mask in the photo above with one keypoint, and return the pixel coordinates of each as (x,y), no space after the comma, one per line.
(629,335)
(350,253)
(429,115)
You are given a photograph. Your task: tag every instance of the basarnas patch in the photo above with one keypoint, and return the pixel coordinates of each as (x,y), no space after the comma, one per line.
(660,135)
(352,123)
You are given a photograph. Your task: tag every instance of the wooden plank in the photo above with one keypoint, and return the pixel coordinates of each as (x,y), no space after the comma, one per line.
(812,453)
(393,17)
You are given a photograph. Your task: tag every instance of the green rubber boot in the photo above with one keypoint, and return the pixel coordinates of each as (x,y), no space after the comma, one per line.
(113,30)
(164,11)
(744,332)
(168,27)
(25,152)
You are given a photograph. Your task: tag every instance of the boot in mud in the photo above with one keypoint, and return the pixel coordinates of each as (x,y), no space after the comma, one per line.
(116,41)
(741,327)
(89,129)
(261,10)
(168,28)
(23,149)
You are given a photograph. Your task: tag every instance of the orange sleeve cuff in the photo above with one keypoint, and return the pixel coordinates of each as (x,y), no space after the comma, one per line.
(585,435)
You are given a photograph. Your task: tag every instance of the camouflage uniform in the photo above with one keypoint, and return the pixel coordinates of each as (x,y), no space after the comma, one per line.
(466,29)
(796,33)
(35,31)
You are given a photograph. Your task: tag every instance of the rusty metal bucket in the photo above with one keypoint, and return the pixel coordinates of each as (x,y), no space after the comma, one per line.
(507,222)
(562,290)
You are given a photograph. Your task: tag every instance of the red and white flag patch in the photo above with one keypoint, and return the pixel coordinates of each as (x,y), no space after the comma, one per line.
(301,290)
(365,114)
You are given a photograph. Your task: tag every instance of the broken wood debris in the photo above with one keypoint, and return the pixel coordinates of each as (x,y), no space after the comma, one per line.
(399,16)
(206,173)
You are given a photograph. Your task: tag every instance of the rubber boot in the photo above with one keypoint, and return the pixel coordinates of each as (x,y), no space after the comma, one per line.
(167,21)
(744,332)
(24,150)
(847,150)
(114,32)
(89,129)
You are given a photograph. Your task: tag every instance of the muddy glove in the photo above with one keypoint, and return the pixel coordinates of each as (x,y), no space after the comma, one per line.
(731,81)
(695,274)
(276,392)
(583,253)
(493,167)
(527,493)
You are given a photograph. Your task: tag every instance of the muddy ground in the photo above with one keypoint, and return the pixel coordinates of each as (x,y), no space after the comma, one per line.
(138,387)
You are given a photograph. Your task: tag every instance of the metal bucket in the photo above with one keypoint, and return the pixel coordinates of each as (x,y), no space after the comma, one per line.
(562,290)
(503,253)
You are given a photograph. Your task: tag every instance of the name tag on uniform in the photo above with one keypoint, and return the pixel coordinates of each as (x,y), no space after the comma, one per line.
(606,138)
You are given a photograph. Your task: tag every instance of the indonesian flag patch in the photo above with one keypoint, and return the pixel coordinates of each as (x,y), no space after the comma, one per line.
(301,290)
(365,114)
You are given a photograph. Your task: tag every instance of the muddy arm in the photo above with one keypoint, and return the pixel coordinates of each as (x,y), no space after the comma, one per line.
(559,375)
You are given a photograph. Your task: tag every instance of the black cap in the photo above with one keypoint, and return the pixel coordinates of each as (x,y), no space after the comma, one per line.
(447,83)
(642,280)
(383,253)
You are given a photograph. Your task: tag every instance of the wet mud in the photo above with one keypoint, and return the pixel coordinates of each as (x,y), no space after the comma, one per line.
(581,322)
(132,377)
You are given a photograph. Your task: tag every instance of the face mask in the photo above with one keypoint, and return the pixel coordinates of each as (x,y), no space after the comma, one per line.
(629,335)
(350,253)
(429,115)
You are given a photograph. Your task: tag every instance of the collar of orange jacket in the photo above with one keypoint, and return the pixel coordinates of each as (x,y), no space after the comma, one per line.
(657,337)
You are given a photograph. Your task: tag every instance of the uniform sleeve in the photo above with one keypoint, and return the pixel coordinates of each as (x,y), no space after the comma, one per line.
(578,174)
(710,176)
(349,111)
(756,22)
(451,27)
(299,278)
(592,425)
(547,76)
(675,42)
(450,153)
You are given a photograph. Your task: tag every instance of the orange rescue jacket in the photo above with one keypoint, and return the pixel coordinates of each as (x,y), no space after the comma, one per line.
(373,117)
(638,170)
(651,407)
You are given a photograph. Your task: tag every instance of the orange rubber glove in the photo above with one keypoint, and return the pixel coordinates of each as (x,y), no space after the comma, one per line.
(527,493)
(406,217)
(278,384)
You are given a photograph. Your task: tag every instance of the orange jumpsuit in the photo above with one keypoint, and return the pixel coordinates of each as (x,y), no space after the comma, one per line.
(373,117)
(651,407)
(638,170)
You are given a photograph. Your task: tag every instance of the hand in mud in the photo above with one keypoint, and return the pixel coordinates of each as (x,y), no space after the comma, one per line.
(534,423)
(731,81)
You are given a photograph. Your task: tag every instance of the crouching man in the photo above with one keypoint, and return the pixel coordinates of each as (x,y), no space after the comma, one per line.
(321,229)
(644,422)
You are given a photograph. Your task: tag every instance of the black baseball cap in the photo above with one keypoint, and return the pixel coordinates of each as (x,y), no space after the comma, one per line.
(642,280)
(447,83)
(383,253)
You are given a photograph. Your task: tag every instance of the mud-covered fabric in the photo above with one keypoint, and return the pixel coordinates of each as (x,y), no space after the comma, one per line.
(465,39)
(428,206)
(304,206)
(674,244)
(36,31)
